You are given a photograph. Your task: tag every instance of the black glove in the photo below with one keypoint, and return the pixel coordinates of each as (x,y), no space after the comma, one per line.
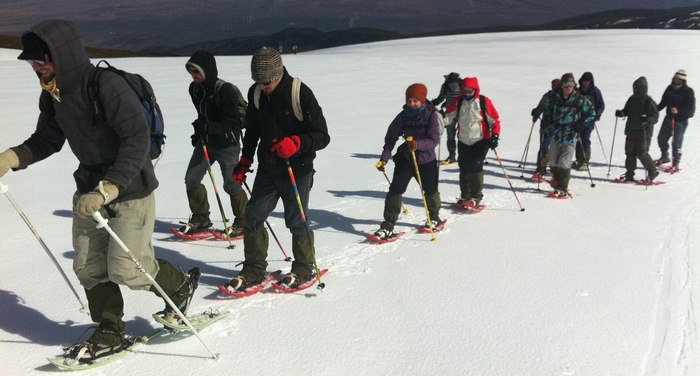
(493,141)
(442,112)
(619,113)
(200,126)
(579,125)
(597,118)
(195,139)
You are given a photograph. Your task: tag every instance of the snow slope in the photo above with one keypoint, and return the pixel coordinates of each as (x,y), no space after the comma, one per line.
(603,284)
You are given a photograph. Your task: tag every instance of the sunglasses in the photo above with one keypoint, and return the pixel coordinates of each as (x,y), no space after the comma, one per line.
(193,71)
(568,84)
(32,62)
(266,83)
(468,91)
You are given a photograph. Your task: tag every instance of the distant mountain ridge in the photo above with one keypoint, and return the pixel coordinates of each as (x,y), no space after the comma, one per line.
(686,18)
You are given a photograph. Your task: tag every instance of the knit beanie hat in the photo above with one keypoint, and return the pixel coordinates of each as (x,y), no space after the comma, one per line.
(418,91)
(681,74)
(266,65)
(34,48)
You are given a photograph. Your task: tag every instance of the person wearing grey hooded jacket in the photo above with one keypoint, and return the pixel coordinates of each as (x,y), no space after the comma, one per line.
(115,176)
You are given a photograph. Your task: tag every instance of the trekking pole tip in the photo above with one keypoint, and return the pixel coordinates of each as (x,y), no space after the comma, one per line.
(321,286)
(522,209)
(288,259)
(434,240)
(217,357)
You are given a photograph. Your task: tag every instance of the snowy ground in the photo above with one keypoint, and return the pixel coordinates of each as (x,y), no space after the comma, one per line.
(603,284)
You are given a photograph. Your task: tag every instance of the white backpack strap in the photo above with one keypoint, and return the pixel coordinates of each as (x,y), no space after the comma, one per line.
(256,96)
(296,101)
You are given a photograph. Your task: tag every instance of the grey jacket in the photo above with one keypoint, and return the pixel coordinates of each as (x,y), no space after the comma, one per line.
(115,149)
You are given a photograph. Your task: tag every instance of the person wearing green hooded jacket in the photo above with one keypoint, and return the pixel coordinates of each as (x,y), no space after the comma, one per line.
(642,114)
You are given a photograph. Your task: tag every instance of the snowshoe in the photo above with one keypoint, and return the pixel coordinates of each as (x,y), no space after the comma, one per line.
(437,226)
(182,297)
(384,236)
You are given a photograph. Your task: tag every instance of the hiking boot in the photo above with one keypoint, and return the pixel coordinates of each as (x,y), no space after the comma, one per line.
(676,168)
(653,176)
(235,232)
(450,160)
(662,160)
(182,297)
(627,177)
(104,341)
(384,234)
(293,280)
(239,283)
(583,167)
(194,226)
(575,165)
(561,192)
(437,223)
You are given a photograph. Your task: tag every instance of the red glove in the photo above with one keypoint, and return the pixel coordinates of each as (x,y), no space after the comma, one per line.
(287,147)
(241,169)
(412,145)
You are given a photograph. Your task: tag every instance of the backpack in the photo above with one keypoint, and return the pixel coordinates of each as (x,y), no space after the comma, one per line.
(242,104)
(296,102)
(144,91)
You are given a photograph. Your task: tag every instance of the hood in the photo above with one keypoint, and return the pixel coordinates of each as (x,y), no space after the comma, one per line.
(205,62)
(473,83)
(587,76)
(641,84)
(65,41)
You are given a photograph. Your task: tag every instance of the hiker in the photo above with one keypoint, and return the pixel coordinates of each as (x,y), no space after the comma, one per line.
(417,120)
(450,89)
(588,89)
(283,142)
(479,131)
(218,128)
(545,134)
(679,102)
(115,176)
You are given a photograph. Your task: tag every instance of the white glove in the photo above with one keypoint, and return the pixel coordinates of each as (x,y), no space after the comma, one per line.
(8,160)
(104,193)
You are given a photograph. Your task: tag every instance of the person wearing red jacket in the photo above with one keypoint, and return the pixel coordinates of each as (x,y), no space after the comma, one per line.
(478,131)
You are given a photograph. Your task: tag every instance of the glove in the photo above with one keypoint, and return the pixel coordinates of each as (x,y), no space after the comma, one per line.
(195,139)
(103,194)
(412,145)
(619,113)
(8,160)
(493,142)
(534,115)
(287,147)
(597,118)
(241,169)
(200,127)
(381,165)
(579,125)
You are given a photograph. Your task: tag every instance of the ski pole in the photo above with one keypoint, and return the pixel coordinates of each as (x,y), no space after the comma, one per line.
(612,146)
(583,152)
(645,160)
(527,146)
(420,183)
(405,211)
(539,160)
(321,285)
(673,145)
(218,199)
(286,258)
(508,179)
(102,223)
(601,142)
(4,189)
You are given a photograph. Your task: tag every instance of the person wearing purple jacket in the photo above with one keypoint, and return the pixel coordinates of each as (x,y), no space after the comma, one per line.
(418,120)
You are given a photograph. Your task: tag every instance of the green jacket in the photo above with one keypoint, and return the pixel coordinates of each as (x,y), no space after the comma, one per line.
(639,106)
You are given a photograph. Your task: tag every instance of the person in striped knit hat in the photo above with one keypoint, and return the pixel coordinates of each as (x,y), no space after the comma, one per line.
(281,139)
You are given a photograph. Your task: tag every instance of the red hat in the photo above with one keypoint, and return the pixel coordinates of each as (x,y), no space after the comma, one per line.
(418,91)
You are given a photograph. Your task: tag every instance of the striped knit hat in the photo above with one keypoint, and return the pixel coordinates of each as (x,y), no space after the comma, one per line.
(681,74)
(266,65)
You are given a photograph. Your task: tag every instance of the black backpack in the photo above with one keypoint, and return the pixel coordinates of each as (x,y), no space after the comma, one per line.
(144,91)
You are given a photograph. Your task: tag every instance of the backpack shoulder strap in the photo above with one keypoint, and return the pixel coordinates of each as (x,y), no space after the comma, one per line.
(217,87)
(256,96)
(296,100)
